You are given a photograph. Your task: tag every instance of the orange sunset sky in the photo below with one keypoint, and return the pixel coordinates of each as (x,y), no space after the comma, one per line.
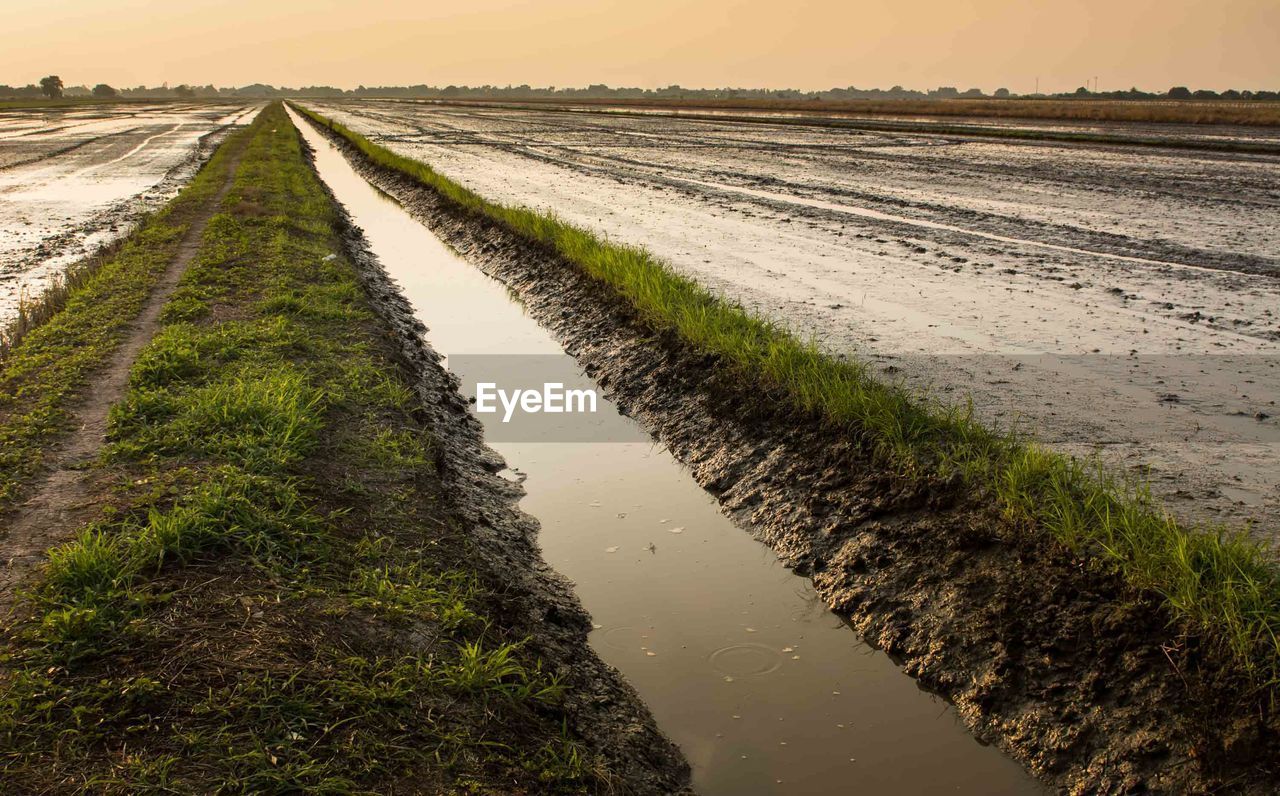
(809,44)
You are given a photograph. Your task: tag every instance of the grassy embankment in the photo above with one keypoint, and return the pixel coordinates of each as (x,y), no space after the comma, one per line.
(61,337)
(276,596)
(1217,586)
(1232,112)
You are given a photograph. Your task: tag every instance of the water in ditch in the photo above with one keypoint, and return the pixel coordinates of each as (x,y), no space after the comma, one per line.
(764,689)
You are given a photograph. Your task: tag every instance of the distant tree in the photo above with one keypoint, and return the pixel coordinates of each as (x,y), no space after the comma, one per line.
(103,90)
(1205,94)
(1179,92)
(1082,92)
(1002,93)
(51,86)
(184,91)
(973,92)
(1231,94)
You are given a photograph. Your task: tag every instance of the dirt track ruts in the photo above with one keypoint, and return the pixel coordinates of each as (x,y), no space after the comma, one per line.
(65,496)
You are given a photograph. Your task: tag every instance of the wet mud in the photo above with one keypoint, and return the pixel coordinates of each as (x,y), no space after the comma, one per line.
(75,180)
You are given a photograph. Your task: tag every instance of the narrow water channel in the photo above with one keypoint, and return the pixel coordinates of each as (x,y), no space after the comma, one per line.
(764,689)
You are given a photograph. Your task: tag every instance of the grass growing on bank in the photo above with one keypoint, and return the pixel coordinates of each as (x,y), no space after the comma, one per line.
(34,311)
(47,354)
(277,597)
(1216,585)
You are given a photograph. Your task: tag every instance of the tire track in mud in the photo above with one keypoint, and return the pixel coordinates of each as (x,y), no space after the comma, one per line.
(88,120)
(32,265)
(1048,655)
(146,142)
(139,115)
(93,165)
(67,495)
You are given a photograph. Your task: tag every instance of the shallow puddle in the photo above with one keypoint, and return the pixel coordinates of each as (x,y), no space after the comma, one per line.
(764,689)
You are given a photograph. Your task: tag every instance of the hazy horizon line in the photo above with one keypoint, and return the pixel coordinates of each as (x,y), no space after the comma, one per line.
(958,86)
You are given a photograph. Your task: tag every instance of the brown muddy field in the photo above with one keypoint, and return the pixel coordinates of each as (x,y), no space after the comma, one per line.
(1111,300)
(74,179)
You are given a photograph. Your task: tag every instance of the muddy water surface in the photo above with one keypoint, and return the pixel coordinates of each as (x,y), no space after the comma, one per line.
(71,182)
(763,689)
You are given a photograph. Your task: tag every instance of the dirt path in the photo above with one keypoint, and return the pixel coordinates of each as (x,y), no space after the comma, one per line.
(66,496)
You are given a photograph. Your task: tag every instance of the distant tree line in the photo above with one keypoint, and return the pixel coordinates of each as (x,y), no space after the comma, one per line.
(53,87)
(601,91)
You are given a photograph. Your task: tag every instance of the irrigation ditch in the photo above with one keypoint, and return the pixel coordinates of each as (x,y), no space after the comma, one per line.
(600,710)
(738,660)
(1050,654)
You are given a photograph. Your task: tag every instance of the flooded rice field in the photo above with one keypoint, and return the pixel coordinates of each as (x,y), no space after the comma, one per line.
(764,690)
(1154,132)
(1117,301)
(74,179)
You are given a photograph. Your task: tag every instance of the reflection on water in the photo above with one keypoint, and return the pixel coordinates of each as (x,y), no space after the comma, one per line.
(763,689)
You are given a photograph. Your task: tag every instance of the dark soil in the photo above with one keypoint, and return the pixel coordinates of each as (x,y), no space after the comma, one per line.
(1050,657)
